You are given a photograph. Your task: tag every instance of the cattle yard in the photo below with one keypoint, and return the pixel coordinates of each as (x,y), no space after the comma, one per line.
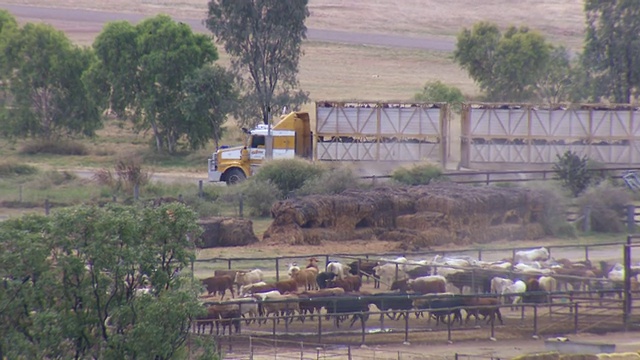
(372,315)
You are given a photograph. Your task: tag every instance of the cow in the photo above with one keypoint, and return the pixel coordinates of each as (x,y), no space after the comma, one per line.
(548,284)
(313,263)
(280,305)
(388,273)
(248,289)
(365,267)
(419,271)
(306,278)
(534,293)
(219,315)
(347,304)
(518,287)
(540,254)
(337,268)
(392,301)
(259,288)
(349,283)
(244,278)
(323,279)
(500,286)
(487,307)
(285,286)
(428,284)
(442,307)
(218,285)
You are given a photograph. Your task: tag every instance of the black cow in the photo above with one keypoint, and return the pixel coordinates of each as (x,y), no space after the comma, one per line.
(323,279)
(347,304)
(442,307)
(366,269)
(392,301)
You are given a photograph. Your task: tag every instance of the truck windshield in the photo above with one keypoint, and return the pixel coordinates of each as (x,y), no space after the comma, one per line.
(257,140)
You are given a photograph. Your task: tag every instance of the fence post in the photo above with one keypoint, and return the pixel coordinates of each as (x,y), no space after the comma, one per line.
(586,253)
(406,327)
(250,348)
(114,198)
(229,264)
(136,191)
(20,198)
(535,321)
(586,225)
(348,352)
(241,206)
(319,330)
(47,206)
(180,198)
(373,180)
(277,269)
(200,192)
(480,254)
(575,318)
(631,218)
(448,327)
(626,299)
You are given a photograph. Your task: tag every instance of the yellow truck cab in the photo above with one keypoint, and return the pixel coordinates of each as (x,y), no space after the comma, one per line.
(291,136)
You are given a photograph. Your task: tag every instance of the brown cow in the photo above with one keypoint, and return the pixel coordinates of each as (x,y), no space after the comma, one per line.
(428,285)
(313,263)
(285,286)
(218,285)
(306,278)
(489,309)
(349,283)
(225,315)
(400,285)
(366,269)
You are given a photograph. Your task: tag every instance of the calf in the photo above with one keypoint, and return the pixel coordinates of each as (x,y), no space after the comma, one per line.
(323,279)
(487,307)
(337,268)
(428,285)
(218,285)
(306,278)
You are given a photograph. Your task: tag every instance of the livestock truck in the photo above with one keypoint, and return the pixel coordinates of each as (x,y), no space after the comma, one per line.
(367,133)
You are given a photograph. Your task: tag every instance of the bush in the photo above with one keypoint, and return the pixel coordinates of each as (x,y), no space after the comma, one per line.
(288,175)
(55,148)
(607,204)
(333,181)
(128,173)
(417,175)
(572,171)
(554,213)
(259,196)
(436,91)
(11,169)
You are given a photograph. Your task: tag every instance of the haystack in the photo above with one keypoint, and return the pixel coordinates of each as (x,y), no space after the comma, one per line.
(419,215)
(225,231)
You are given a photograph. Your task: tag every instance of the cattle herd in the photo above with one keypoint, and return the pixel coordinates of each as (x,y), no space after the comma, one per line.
(434,286)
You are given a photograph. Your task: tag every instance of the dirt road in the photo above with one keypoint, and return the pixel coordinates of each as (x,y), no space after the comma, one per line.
(92,21)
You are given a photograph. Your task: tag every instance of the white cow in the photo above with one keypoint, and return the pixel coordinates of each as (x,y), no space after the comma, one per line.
(387,273)
(500,285)
(293,268)
(248,289)
(548,284)
(339,269)
(540,254)
(518,287)
(244,278)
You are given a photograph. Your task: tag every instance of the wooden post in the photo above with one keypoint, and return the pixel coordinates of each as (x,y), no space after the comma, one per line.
(626,311)
(631,218)
(586,252)
(406,326)
(180,198)
(114,198)
(47,206)
(229,264)
(277,269)
(586,225)
(575,319)
(535,320)
(136,191)
(241,206)
(20,198)
(200,192)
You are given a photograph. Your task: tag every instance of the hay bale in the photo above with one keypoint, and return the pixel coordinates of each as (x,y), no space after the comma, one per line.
(226,231)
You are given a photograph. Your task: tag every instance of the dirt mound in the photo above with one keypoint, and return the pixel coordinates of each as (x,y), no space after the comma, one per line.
(224,231)
(419,215)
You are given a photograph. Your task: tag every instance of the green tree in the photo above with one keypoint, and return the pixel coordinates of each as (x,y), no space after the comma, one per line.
(263,38)
(612,45)
(210,97)
(436,91)
(505,66)
(573,172)
(48,97)
(70,283)
(142,70)
(557,82)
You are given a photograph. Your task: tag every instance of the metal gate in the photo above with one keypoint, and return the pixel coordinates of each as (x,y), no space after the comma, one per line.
(381,132)
(528,134)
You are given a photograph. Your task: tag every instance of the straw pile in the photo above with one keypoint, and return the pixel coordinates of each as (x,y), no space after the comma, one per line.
(224,231)
(419,215)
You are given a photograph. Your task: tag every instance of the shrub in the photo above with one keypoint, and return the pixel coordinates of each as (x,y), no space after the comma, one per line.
(607,204)
(333,181)
(259,196)
(417,175)
(55,148)
(10,169)
(572,171)
(130,172)
(288,175)
(554,213)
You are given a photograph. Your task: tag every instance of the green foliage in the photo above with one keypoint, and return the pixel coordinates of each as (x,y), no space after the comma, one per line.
(142,70)
(129,172)
(505,66)
(553,214)
(436,91)
(332,181)
(210,87)
(573,172)
(611,49)
(417,174)
(67,147)
(70,290)
(259,196)
(558,80)
(15,169)
(607,203)
(288,175)
(276,28)
(48,97)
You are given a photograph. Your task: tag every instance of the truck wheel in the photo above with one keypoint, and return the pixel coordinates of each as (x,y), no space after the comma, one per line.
(235,176)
